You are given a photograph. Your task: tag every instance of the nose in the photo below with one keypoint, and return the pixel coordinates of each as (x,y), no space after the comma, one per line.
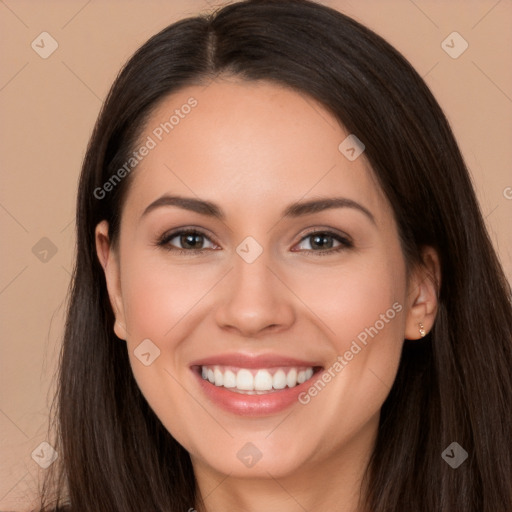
(255,299)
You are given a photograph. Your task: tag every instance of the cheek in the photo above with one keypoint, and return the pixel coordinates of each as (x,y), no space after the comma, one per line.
(361,307)
(157,295)
(361,311)
(158,301)
(163,302)
(353,299)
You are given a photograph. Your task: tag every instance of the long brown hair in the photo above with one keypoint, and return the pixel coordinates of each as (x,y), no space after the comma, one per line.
(454,385)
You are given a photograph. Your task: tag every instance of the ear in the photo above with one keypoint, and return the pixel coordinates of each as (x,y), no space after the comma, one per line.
(109,260)
(423,293)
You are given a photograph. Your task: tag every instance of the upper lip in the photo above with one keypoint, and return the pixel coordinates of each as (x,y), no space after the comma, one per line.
(253,361)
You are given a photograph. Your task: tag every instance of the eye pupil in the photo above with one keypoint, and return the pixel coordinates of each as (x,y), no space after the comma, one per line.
(321,241)
(188,240)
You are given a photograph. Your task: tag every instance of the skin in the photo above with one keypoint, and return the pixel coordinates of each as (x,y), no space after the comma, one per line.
(253,148)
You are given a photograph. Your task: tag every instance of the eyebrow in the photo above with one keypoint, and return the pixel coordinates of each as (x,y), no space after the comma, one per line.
(294,210)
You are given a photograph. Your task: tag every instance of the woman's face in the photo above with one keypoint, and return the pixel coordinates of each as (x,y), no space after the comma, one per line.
(270,291)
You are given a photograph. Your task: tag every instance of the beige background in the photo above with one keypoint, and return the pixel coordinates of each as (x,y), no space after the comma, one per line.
(48,107)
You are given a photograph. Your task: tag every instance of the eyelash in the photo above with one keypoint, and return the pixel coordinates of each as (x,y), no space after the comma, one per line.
(164,240)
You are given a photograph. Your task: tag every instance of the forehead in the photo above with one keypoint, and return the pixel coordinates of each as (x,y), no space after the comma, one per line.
(246,143)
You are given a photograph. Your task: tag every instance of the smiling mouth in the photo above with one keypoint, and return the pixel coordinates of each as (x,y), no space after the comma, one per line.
(254,381)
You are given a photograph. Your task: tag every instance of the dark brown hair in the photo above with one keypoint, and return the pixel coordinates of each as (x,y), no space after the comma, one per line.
(455,385)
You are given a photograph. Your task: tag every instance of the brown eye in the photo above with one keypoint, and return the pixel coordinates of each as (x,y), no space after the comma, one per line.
(322,242)
(188,241)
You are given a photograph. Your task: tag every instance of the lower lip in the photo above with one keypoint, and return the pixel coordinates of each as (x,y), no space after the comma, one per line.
(252,405)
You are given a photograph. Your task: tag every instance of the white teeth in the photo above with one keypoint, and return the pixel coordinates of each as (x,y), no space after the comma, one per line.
(262,381)
(256,381)
(244,380)
(279,380)
(219,378)
(291,378)
(229,379)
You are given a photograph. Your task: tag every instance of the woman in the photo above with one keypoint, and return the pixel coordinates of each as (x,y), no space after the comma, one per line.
(284,295)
